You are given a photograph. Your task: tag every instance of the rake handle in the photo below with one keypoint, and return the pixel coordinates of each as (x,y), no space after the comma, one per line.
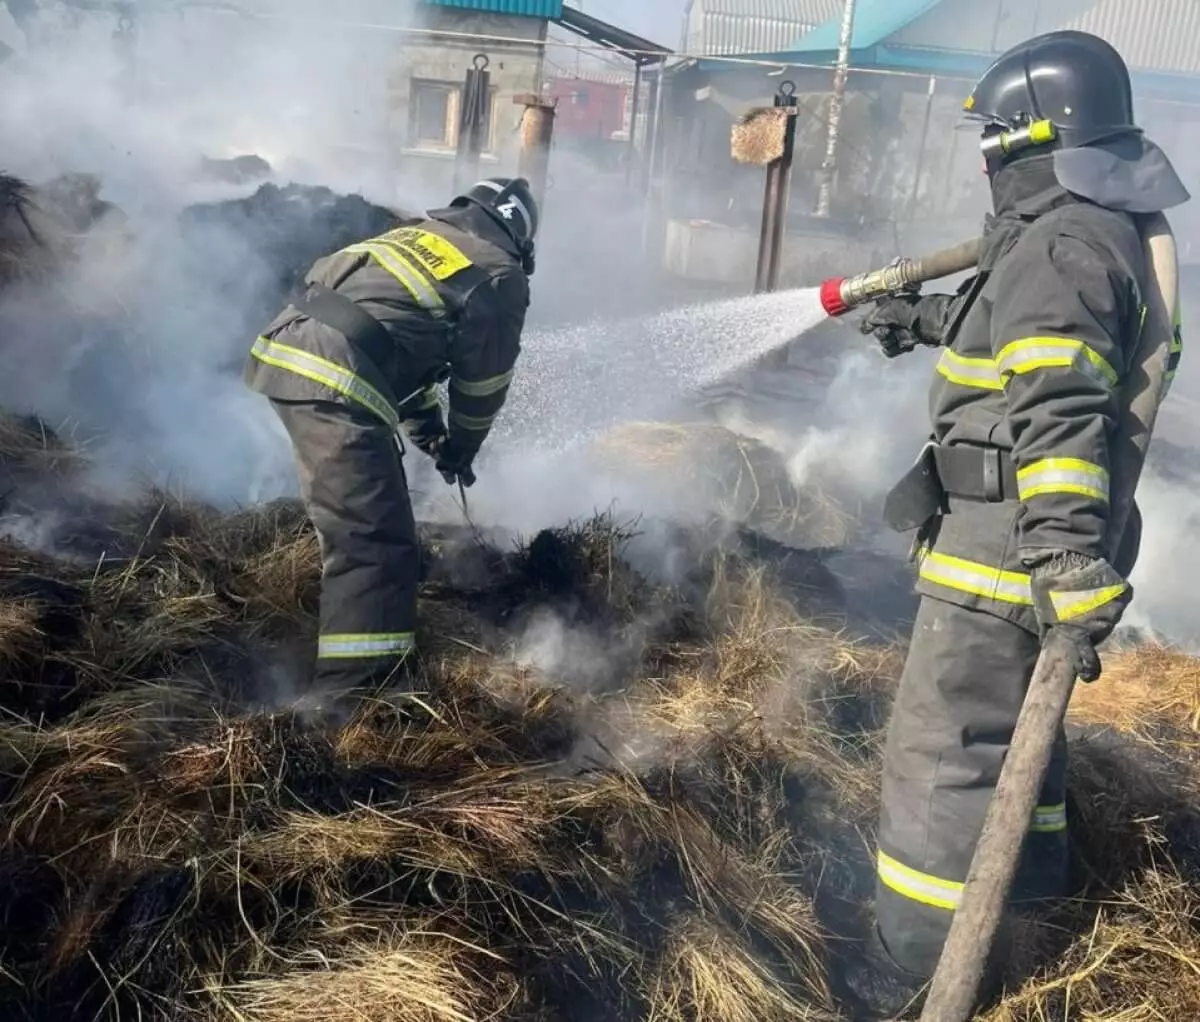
(964,958)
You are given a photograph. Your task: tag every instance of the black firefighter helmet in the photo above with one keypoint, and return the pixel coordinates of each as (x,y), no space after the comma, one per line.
(1070,93)
(510,203)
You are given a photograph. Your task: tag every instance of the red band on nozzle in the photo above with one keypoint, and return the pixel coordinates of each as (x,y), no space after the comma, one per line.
(831,297)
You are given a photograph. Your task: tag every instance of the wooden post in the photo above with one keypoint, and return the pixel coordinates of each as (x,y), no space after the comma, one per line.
(775,198)
(537,134)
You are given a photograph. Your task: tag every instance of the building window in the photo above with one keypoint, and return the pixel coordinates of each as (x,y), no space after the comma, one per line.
(433,113)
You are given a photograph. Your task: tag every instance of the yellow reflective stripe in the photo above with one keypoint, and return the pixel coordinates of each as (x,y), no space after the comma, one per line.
(1032,353)
(980,373)
(1049,819)
(321,370)
(475,422)
(482,388)
(361,647)
(1063,475)
(1069,605)
(438,257)
(977,579)
(429,399)
(394,261)
(916,886)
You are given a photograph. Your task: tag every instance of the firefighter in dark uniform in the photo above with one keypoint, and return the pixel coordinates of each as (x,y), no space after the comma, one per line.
(1010,498)
(355,362)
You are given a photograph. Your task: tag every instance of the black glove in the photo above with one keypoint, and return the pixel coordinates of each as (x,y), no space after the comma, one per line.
(454,463)
(902,322)
(427,434)
(1079,599)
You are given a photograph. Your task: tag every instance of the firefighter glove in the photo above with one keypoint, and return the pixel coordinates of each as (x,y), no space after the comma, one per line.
(1080,599)
(903,322)
(428,434)
(454,463)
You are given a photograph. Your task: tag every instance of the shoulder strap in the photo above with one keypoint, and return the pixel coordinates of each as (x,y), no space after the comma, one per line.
(360,328)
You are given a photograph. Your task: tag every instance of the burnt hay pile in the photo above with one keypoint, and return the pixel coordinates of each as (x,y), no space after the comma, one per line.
(184,839)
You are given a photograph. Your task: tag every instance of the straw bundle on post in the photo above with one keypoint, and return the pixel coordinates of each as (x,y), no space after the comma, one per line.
(757,138)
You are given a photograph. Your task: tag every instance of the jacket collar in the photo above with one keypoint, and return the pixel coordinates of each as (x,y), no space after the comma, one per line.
(1028,189)
(1021,193)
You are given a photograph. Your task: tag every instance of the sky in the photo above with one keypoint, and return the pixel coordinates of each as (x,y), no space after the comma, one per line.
(657,20)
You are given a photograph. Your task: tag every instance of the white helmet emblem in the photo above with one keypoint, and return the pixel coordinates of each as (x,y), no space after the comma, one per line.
(507,210)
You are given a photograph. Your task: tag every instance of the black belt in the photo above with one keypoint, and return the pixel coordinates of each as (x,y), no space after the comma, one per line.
(976,473)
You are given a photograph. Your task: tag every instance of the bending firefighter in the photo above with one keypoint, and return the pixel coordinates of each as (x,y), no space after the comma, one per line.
(357,359)
(1010,500)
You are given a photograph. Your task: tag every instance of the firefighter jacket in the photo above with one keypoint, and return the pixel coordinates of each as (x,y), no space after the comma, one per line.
(1035,351)
(451,296)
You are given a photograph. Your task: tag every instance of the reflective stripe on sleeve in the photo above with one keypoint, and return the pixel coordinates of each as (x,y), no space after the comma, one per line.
(1049,819)
(980,373)
(472,422)
(916,886)
(321,370)
(482,388)
(1070,605)
(397,264)
(1063,475)
(976,579)
(1032,353)
(362,647)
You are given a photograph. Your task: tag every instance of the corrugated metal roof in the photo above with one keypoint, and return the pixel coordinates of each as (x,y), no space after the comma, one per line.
(725,27)
(874,21)
(528,8)
(1152,35)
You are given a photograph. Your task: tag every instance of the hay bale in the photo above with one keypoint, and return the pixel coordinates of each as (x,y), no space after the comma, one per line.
(30,450)
(1145,688)
(735,478)
(709,973)
(235,170)
(420,977)
(691,844)
(288,228)
(33,242)
(757,137)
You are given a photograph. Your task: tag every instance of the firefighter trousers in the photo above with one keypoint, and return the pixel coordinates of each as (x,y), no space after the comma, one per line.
(956,708)
(354,488)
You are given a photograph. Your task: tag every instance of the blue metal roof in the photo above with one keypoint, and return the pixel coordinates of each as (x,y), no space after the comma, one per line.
(874,21)
(527,8)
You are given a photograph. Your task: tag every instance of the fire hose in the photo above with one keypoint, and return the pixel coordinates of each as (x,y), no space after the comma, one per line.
(955,986)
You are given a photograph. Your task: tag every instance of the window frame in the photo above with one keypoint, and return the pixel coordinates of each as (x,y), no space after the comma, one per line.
(449,141)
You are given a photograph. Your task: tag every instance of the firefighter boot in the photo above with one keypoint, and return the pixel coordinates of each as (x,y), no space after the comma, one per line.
(880,990)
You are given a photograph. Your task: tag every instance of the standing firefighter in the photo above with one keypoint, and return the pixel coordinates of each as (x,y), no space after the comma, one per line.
(358,357)
(1010,498)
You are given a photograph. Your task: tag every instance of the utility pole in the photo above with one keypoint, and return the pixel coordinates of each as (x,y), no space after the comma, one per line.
(840,74)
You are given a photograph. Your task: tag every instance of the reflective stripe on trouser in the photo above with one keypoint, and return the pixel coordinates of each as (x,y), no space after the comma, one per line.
(956,707)
(353,485)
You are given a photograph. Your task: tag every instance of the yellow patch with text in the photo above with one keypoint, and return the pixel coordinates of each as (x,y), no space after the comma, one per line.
(433,253)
